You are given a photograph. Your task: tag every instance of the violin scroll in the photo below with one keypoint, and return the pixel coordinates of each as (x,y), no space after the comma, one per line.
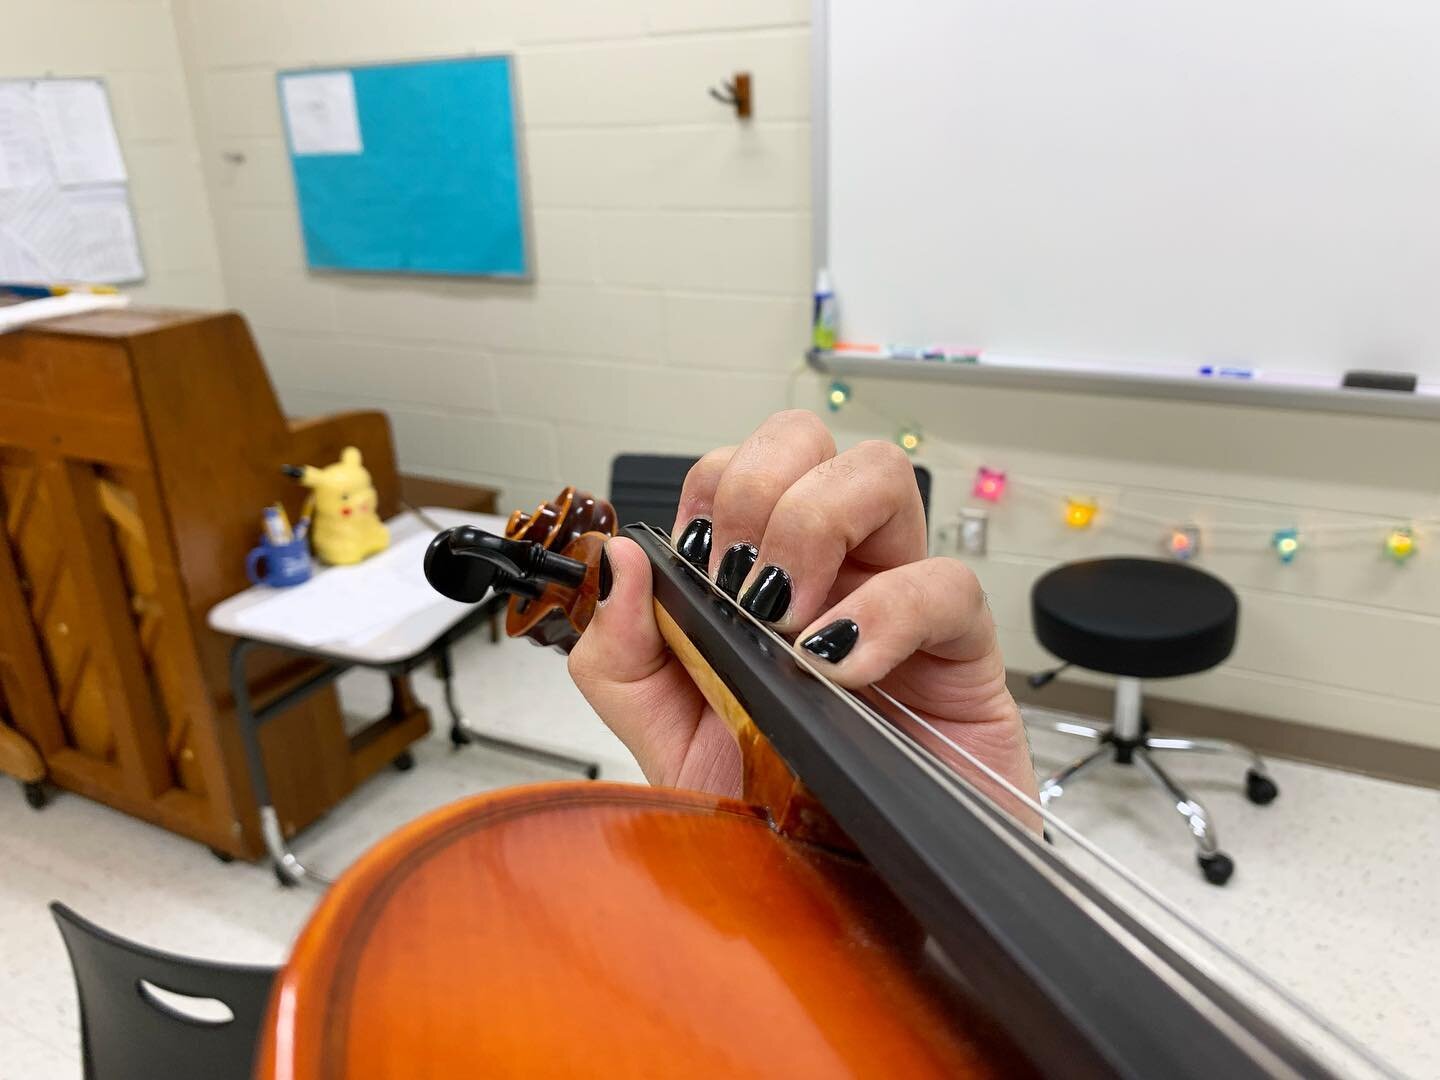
(547,563)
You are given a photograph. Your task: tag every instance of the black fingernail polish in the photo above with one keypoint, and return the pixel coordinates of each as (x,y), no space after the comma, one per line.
(694,543)
(735,568)
(607,576)
(833,642)
(769,597)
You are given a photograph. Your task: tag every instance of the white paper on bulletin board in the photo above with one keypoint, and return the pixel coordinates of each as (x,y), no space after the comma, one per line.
(65,212)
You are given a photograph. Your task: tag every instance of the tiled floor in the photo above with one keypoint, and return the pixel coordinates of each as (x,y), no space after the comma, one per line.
(1335,890)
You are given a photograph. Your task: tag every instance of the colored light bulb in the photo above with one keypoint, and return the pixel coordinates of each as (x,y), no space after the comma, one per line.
(989,484)
(1400,544)
(1080,513)
(1184,542)
(910,439)
(1286,543)
(838,395)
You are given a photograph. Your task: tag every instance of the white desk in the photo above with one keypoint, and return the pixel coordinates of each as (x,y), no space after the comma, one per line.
(392,622)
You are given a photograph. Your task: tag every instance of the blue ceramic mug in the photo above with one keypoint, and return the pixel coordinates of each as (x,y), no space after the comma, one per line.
(279,564)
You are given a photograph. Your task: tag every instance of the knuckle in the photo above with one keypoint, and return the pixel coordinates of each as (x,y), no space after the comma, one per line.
(953,577)
(743,487)
(885,455)
(796,517)
(803,424)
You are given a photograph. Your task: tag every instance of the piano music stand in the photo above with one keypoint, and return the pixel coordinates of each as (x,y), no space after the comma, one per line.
(396,650)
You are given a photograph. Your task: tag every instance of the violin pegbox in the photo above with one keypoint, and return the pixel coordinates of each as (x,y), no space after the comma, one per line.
(575,524)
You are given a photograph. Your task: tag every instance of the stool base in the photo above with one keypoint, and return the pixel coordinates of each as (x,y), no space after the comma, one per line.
(1127,740)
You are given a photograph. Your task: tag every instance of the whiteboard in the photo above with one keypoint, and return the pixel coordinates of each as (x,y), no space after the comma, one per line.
(1240,181)
(65,211)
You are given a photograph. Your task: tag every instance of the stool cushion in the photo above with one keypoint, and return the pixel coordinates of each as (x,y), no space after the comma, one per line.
(1143,618)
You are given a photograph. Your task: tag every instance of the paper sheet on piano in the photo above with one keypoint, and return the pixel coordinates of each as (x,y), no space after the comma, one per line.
(346,605)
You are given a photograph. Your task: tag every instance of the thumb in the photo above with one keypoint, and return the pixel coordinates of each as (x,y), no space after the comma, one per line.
(622,644)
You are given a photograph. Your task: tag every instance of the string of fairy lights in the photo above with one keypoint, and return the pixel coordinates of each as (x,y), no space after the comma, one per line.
(1399,539)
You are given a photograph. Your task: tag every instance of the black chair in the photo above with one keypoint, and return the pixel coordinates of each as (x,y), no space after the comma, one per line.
(646,487)
(136,1022)
(1142,619)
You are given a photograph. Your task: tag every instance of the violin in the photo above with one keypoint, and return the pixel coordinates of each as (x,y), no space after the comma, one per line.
(863,909)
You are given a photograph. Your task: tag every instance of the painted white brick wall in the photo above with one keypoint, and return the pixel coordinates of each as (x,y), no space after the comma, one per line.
(132,45)
(671,241)
(670,306)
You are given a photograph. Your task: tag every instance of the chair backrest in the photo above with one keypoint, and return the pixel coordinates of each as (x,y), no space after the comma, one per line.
(129,1031)
(646,487)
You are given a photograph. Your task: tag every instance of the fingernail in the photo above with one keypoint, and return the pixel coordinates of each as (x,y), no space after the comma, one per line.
(607,575)
(833,642)
(768,598)
(735,568)
(694,543)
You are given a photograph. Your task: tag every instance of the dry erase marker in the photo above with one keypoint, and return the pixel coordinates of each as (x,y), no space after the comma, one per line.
(1211,371)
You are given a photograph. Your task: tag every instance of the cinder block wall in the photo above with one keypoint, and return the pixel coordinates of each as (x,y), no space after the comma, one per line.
(671,242)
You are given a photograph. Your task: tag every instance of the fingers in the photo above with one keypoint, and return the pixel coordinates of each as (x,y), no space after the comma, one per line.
(622,667)
(691,532)
(934,606)
(622,639)
(779,452)
(862,504)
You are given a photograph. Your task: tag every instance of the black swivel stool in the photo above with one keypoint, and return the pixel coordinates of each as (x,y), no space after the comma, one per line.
(1142,619)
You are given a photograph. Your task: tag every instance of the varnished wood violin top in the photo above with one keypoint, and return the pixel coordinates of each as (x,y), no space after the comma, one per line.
(609,929)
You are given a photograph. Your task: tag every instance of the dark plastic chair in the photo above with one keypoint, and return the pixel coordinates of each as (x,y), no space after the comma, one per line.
(646,487)
(1140,619)
(130,1032)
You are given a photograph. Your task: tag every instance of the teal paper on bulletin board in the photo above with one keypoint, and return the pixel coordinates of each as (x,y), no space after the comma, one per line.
(410,167)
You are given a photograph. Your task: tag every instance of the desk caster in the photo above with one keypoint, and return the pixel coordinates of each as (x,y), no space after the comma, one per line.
(1217,868)
(284,881)
(35,794)
(459,736)
(404,761)
(592,772)
(1259,788)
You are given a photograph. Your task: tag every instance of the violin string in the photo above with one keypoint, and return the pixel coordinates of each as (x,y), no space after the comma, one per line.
(942,772)
(1139,884)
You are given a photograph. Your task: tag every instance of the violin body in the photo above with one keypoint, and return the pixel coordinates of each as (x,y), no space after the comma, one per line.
(611,929)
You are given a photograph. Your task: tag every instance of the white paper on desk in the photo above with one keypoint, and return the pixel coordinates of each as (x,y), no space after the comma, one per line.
(53,307)
(24,158)
(347,605)
(320,113)
(79,131)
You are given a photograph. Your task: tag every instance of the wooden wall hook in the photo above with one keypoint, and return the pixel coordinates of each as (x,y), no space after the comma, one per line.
(736,92)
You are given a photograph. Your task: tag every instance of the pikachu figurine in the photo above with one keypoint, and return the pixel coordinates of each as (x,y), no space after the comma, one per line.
(345,529)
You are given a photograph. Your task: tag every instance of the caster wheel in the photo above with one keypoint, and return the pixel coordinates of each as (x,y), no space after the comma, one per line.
(592,772)
(459,737)
(405,761)
(223,856)
(1217,868)
(35,795)
(1259,788)
(280,877)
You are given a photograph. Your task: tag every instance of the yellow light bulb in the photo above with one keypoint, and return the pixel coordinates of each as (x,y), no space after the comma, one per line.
(1400,544)
(909,440)
(838,395)
(1080,513)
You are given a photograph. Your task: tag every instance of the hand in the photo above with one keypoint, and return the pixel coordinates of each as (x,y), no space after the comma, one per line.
(830,548)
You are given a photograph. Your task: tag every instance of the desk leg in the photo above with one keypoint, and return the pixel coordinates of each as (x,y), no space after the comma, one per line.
(288,869)
(461,735)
